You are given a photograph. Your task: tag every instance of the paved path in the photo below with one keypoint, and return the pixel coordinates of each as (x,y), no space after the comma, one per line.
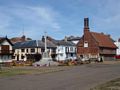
(76,78)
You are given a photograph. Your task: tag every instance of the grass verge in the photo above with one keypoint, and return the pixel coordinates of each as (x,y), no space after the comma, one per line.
(111,85)
(23,71)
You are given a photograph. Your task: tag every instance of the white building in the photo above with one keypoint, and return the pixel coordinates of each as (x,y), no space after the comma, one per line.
(31,50)
(66,50)
(73,39)
(6,50)
(117,43)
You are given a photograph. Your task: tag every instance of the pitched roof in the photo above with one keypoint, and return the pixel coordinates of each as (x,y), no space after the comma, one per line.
(33,44)
(103,40)
(19,39)
(70,38)
(60,42)
(5,38)
(63,43)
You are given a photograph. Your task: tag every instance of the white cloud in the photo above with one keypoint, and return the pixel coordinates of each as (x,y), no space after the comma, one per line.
(33,18)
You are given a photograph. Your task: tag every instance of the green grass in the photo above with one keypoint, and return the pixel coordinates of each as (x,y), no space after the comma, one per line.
(111,85)
(12,72)
(23,71)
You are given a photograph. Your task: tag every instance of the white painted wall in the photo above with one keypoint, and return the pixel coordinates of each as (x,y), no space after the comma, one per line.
(75,42)
(61,53)
(20,53)
(117,43)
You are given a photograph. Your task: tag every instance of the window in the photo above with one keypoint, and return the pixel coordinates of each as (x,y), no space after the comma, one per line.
(71,54)
(71,48)
(22,57)
(85,44)
(42,50)
(22,50)
(66,49)
(13,57)
(32,50)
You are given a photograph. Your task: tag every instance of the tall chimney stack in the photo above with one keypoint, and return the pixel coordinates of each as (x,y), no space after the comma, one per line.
(86,29)
(86,23)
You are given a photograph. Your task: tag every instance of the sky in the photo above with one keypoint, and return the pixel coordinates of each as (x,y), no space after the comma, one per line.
(59,18)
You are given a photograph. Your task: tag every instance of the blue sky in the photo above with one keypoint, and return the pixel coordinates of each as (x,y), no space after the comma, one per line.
(58,18)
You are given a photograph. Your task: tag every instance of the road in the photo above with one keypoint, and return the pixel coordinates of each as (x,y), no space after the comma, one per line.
(75,78)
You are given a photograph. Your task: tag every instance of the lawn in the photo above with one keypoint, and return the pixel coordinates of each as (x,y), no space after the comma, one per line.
(29,70)
(111,85)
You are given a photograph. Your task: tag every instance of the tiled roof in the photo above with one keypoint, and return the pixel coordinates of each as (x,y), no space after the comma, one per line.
(33,44)
(19,39)
(60,42)
(64,43)
(16,39)
(73,38)
(103,40)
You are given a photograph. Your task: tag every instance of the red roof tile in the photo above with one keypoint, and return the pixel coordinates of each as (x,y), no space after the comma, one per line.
(103,40)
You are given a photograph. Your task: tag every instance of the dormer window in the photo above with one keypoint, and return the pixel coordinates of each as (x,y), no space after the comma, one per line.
(85,44)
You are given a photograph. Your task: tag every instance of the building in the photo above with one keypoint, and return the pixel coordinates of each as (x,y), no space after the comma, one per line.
(66,50)
(32,50)
(95,45)
(19,39)
(73,39)
(117,43)
(6,50)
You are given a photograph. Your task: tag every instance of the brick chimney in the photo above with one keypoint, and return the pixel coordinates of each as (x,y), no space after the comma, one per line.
(86,24)
(86,29)
(23,38)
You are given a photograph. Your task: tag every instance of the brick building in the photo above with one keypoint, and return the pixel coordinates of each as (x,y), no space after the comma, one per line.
(95,45)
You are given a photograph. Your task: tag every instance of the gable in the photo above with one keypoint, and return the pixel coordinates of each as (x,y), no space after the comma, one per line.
(5,42)
(91,41)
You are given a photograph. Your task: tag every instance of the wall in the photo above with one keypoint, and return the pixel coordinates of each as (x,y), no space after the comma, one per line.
(20,53)
(117,43)
(6,58)
(64,53)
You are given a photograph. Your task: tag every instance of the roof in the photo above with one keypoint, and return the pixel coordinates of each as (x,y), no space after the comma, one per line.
(60,42)
(71,38)
(63,43)
(5,38)
(103,40)
(19,39)
(2,39)
(33,44)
